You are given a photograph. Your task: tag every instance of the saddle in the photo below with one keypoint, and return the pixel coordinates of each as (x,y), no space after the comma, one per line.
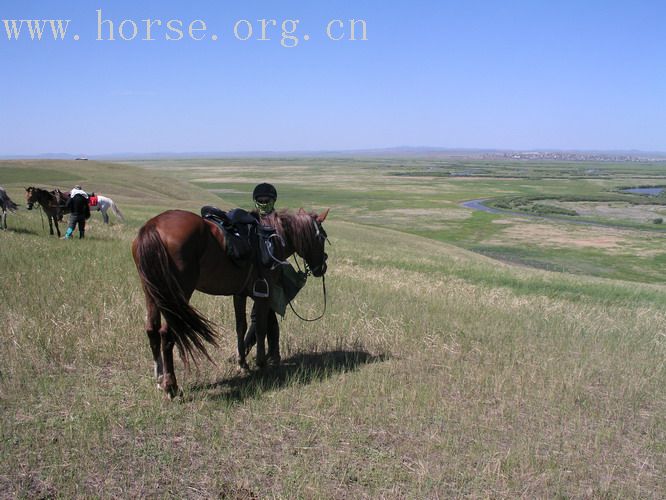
(247,241)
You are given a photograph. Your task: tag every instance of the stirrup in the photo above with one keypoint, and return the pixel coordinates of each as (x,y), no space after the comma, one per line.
(260,289)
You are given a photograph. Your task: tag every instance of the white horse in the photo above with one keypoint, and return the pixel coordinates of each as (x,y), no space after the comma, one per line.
(103,205)
(6,203)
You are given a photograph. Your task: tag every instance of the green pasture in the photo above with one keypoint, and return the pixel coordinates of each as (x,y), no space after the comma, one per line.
(462,353)
(419,196)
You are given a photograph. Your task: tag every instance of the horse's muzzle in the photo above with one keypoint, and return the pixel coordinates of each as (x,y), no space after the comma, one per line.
(320,270)
(29,206)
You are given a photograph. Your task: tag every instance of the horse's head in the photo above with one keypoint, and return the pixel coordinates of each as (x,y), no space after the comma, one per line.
(314,252)
(30,197)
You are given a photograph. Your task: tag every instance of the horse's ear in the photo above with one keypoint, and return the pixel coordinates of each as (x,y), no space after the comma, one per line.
(322,217)
(301,211)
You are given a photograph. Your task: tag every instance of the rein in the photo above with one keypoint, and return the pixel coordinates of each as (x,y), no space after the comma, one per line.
(41,214)
(323,287)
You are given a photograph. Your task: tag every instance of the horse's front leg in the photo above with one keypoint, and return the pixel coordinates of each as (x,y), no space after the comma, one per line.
(105,216)
(50,219)
(4,220)
(261,305)
(240,302)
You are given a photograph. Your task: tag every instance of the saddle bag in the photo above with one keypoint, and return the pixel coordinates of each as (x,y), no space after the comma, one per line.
(286,288)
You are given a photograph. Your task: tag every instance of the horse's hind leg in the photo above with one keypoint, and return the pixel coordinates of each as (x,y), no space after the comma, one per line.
(153,332)
(241,326)
(169,383)
(3,225)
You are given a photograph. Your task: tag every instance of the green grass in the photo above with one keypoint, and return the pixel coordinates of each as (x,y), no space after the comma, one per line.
(436,372)
(420,201)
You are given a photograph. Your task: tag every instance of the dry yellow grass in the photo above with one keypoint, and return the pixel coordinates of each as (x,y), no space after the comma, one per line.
(436,373)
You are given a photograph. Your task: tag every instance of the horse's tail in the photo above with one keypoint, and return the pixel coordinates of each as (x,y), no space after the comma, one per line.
(117,211)
(191,330)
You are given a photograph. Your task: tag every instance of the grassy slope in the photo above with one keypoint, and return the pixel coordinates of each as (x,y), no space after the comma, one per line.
(435,372)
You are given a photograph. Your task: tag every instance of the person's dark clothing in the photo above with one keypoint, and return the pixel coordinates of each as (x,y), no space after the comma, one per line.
(79,213)
(78,205)
(272,335)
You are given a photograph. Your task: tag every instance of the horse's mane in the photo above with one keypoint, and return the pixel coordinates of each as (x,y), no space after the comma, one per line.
(296,227)
(54,193)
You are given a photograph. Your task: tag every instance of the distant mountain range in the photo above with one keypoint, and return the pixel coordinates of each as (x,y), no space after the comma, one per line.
(401,151)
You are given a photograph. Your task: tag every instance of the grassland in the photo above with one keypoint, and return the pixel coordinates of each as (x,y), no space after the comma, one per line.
(419,196)
(436,372)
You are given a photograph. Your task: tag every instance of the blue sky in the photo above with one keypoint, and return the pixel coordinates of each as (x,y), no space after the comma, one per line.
(476,74)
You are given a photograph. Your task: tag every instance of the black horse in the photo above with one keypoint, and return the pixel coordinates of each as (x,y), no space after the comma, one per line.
(52,202)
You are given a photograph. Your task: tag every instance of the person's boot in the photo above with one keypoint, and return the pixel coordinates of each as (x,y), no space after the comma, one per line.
(81,234)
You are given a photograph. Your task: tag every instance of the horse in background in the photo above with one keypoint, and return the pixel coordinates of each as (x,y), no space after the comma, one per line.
(52,202)
(102,204)
(6,203)
(178,252)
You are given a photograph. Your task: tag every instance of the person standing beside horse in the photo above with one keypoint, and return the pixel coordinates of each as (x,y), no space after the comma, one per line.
(265,196)
(79,212)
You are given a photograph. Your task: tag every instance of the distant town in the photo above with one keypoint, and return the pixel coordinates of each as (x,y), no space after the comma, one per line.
(577,156)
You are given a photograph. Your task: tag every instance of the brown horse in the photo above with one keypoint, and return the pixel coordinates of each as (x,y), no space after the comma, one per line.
(52,202)
(178,252)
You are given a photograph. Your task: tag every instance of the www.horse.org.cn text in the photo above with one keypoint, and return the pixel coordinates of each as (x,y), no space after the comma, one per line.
(289,33)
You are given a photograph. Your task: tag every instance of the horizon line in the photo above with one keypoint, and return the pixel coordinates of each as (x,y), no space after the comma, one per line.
(328,152)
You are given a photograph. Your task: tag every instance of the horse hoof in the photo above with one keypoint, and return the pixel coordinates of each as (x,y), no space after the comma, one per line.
(174,393)
(273,361)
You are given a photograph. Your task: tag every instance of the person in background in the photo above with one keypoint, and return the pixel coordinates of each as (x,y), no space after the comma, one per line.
(79,210)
